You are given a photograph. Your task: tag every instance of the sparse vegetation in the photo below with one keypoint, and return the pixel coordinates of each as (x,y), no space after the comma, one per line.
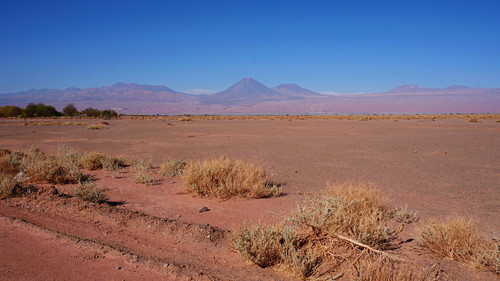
(95,161)
(97,126)
(142,172)
(458,239)
(358,211)
(226,178)
(172,167)
(90,192)
(10,175)
(59,168)
(348,222)
(8,185)
(404,215)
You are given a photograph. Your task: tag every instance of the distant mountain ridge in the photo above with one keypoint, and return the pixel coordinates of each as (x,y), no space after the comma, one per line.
(291,89)
(249,96)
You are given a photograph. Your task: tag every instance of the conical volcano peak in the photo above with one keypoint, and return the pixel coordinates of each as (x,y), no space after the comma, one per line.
(248,87)
(247,90)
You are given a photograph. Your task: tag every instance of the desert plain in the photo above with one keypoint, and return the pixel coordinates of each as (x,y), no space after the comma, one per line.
(438,167)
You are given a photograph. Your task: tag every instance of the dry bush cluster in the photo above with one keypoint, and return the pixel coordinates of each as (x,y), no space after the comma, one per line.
(458,239)
(172,167)
(226,178)
(90,192)
(342,232)
(58,168)
(95,161)
(97,126)
(8,185)
(10,177)
(143,172)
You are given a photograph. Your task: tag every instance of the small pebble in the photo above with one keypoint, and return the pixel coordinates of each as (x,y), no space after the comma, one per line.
(118,267)
(204,209)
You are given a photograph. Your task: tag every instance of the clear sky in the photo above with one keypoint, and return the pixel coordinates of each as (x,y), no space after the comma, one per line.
(339,46)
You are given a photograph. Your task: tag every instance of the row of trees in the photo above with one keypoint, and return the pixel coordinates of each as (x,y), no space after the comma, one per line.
(42,110)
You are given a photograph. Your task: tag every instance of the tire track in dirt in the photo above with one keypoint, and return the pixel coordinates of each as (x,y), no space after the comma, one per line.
(173,249)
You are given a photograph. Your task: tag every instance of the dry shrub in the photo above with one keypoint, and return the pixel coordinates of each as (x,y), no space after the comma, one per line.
(144,178)
(458,239)
(95,161)
(404,215)
(4,152)
(90,192)
(342,230)
(7,167)
(172,167)
(355,210)
(260,244)
(59,168)
(97,127)
(226,178)
(8,185)
(474,120)
(142,173)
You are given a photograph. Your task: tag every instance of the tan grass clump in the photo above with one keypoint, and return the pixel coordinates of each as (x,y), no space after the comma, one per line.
(95,161)
(342,231)
(6,165)
(404,215)
(260,244)
(97,126)
(59,168)
(172,167)
(458,239)
(90,192)
(226,178)
(358,211)
(8,185)
(142,172)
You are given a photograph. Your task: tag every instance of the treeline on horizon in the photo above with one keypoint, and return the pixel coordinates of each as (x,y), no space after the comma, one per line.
(42,110)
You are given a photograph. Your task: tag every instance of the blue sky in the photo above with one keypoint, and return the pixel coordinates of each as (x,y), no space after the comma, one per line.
(339,46)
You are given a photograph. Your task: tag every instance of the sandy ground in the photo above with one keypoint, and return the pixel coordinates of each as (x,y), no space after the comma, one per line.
(438,168)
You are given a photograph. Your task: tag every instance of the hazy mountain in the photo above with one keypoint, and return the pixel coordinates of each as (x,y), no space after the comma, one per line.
(409,88)
(293,90)
(117,92)
(249,96)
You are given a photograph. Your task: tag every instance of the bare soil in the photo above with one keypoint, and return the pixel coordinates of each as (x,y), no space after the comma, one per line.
(438,168)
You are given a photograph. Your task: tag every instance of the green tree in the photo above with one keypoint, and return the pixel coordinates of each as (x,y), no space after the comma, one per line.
(10,111)
(109,113)
(91,112)
(40,110)
(70,110)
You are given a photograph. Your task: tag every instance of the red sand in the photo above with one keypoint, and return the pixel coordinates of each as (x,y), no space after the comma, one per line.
(436,168)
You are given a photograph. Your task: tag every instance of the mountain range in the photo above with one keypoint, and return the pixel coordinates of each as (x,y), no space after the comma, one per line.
(249,96)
